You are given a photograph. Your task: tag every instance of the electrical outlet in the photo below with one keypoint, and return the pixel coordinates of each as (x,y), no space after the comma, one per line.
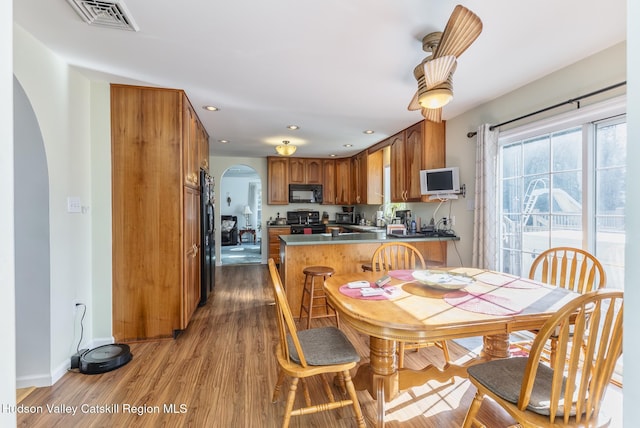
(453,220)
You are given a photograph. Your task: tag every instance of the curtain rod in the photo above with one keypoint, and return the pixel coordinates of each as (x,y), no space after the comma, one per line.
(569,101)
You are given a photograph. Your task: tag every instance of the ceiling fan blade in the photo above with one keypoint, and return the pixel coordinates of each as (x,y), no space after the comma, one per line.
(462,29)
(432,114)
(437,70)
(414,104)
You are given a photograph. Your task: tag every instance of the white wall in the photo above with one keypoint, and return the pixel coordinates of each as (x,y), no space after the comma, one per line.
(101,213)
(603,69)
(60,98)
(632,267)
(7,270)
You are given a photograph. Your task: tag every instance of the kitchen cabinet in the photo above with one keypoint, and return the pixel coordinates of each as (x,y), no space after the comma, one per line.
(155,212)
(191,251)
(343,181)
(297,174)
(190,146)
(328,181)
(367,178)
(421,146)
(314,171)
(277,180)
(274,241)
(305,171)
(203,147)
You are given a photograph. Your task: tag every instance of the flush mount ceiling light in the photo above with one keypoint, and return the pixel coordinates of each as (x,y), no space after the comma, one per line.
(105,13)
(285,149)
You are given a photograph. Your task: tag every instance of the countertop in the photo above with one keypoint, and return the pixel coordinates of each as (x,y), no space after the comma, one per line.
(355,227)
(357,238)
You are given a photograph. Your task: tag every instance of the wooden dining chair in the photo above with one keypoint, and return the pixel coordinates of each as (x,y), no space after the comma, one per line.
(401,255)
(311,352)
(566,267)
(589,334)
(570,268)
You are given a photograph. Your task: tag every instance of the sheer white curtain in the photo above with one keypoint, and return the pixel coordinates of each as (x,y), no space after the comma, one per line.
(252,199)
(485,230)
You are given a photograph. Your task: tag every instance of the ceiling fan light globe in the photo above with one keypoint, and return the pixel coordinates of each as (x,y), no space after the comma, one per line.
(435,98)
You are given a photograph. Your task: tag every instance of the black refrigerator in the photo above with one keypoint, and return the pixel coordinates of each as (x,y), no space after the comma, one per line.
(207,238)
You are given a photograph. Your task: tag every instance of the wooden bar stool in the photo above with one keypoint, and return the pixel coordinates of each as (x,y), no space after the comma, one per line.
(316,299)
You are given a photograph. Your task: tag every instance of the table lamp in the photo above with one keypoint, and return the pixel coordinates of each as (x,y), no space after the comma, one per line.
(247,212)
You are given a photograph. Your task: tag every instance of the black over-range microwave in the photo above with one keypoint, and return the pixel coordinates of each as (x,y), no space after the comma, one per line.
(305,193)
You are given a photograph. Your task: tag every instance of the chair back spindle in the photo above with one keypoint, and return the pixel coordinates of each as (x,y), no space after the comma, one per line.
(570,268)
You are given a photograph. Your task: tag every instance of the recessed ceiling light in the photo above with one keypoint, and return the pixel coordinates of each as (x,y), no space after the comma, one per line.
(333,156)
(348,145)
(368,131)
(211,108)
(223,141)
(293,127)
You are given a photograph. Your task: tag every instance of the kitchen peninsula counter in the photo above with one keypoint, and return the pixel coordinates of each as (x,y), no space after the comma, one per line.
(344,253)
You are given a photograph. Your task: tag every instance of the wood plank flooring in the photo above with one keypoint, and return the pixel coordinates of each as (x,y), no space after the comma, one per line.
(220,372)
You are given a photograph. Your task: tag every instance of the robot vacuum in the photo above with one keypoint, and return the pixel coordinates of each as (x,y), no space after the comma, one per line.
(105,358)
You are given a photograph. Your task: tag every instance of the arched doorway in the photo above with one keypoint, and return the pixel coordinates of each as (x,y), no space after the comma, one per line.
(240,216)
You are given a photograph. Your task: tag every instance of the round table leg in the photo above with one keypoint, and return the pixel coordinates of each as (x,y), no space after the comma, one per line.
(380,394)
(496,346)
(384,372)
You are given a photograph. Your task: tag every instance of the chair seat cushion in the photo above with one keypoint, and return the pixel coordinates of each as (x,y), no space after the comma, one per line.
(504,378)
(324,347)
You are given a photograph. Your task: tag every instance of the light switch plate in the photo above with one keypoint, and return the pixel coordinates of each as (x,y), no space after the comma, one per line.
(73,204)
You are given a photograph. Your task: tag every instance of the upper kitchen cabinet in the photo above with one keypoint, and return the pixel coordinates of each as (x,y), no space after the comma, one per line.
(278,180)
(328,181)
(305,171)
(434,153)
(421,146)
(203,147)
(155,160)
(191,145)
(375,178)
(343,182)
(367,178)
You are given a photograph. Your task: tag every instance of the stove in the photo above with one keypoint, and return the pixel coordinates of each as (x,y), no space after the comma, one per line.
(305,222)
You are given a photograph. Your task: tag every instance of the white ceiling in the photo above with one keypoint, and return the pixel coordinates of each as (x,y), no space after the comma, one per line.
(332,67)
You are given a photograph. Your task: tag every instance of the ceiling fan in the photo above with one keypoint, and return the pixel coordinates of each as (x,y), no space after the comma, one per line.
(435,73)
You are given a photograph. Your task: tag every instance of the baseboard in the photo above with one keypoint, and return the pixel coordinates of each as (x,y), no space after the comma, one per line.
(37,381)
(57,373)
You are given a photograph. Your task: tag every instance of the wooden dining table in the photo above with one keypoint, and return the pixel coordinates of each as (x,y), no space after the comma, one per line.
(491,305)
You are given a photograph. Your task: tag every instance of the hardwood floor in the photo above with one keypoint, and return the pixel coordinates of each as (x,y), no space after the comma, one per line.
(221,371)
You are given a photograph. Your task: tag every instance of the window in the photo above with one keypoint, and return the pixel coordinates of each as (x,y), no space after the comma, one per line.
(562,183)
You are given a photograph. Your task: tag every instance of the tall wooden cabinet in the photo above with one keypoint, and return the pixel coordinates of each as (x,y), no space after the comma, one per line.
(158,148)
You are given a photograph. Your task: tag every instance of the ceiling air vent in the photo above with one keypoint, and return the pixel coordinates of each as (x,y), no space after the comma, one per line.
(105,13)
